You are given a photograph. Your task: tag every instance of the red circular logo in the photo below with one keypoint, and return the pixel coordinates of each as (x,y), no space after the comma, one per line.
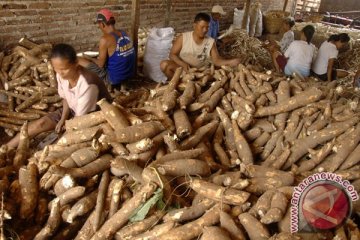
(325,206)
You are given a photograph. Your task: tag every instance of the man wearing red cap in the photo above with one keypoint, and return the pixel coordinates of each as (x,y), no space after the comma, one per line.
(116,61)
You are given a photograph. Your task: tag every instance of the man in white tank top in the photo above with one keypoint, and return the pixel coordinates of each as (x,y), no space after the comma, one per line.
(195,49)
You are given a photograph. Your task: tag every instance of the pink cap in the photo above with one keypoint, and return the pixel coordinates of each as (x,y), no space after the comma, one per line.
(104,15)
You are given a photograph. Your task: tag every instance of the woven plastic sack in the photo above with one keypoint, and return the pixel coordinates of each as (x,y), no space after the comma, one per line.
(238,17)
(157,48)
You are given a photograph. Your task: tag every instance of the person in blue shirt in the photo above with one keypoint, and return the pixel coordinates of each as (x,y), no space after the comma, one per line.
(216,13)
(116,61)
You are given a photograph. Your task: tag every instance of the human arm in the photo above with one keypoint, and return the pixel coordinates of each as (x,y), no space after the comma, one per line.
(290,51)
(283,44)
(286,40)
(64,115)
(174,54)
(103,53)
(66,109)
(330,69)
(219,61)
(271,46)
(276,45)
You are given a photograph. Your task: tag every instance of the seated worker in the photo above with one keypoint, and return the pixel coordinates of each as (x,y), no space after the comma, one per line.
(79,88)
(195,49)
(285,42)
(299,55)
(323,67)
(216,13)
(116,61)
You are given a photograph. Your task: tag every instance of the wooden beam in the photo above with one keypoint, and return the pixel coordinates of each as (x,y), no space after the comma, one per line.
(285,5)
(246,14)
(167,13)
(345,12)
(135,22)
(304,5)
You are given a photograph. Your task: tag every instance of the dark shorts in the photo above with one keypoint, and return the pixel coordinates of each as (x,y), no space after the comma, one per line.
(103,75)
(324,76)
(281,61)
(56,115)
(101,72)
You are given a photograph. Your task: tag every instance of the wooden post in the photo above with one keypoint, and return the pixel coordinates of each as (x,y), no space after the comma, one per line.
(293,8)
(168,13)
(285,5)
(135,19)
(246,15)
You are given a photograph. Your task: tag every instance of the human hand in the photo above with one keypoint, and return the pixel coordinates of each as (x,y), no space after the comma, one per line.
(234,62)
(60,126)
(185,67)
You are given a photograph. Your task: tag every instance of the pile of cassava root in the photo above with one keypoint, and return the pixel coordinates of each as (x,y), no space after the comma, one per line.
(213,154)
(142,38)
(28,81)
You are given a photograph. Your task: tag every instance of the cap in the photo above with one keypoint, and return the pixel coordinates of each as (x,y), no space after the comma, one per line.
(104,15)
(218,9)
(290,21)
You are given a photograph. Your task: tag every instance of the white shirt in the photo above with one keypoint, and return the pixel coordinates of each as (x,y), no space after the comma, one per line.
(82,98)
(327,51)
(194,54)
(286,40)
(300,55)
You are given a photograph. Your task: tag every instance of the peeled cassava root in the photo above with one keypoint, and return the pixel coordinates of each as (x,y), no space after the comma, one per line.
(28,81)
(227,152)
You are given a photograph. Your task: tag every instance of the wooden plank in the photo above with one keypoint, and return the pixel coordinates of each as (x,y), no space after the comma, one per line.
(135,19)
(304,5)
(307,5)
(285,5)
(345,12)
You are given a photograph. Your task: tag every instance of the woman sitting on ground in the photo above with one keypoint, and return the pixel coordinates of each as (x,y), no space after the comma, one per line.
(299,55)
(323,67)
(288,37)
(79,88)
